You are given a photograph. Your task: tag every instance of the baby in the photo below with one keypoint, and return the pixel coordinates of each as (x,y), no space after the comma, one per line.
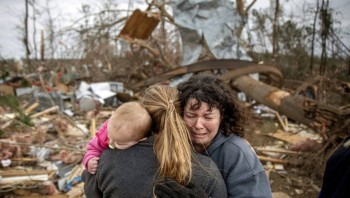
(128,125)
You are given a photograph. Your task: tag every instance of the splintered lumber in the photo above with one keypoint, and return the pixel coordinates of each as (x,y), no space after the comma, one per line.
(46,111)
(276,150)
(287,137)
(93,127)
(31,108)
(17,179)
(24,159)
(16,176)
(11,173)
(140,25)
(274,160)
(7,124)
(282,121)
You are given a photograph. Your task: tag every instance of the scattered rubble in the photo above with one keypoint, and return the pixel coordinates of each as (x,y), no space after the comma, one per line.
(44,129)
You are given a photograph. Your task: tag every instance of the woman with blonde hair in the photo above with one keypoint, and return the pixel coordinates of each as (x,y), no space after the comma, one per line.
(163,165)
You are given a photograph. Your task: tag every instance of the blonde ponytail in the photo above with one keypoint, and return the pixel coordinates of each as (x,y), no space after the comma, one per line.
(172,144)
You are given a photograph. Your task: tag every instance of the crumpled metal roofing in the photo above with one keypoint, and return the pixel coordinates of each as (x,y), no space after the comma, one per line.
(209,23)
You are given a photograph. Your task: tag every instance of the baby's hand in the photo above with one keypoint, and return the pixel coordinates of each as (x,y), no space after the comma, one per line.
(92,165)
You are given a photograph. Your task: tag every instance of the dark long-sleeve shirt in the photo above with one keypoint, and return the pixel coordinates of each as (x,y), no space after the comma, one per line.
(132,173)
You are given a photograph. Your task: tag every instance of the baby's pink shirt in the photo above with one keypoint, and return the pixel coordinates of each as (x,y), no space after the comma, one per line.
(97,144)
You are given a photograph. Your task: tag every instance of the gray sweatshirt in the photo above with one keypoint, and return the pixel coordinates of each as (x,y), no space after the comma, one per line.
(240,167)
(132,173)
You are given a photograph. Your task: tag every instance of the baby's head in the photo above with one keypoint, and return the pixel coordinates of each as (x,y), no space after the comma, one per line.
(129,124)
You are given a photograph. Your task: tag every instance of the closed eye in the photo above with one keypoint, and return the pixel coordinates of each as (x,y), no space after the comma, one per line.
(190,116)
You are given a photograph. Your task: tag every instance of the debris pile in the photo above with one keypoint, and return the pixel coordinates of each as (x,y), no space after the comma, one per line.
(44,131)
(44,128)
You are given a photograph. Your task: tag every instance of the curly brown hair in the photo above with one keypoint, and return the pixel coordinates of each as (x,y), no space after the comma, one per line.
(208,88)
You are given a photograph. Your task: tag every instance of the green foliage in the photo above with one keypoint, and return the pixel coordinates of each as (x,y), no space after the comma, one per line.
(2,134)
(10,101)
(25,119)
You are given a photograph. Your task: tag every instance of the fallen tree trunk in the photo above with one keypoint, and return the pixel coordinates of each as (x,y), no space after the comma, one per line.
(320,117)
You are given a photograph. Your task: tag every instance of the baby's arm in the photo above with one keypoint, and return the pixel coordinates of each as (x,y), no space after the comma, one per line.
(92,165)
(94,149)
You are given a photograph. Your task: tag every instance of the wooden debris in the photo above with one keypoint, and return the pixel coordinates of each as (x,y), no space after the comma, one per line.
(11,173)
(6,89)
(263,158)
(24,159)
(287,137)
(7,124)
(278,167)
(282,121)
(46,111)
(93,127)
(76,171)
(76,191)
(276,150)
(78,130)
(31,108)
(140,25)
(18,179)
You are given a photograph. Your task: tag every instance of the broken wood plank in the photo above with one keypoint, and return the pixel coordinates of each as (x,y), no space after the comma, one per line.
(277,150)
(93,127)
(270,159)
(31,108)
(11,173)
(281,121)
(287,137)
(140,24)
(23,159)
(18,179)
(46,111)
(7,124)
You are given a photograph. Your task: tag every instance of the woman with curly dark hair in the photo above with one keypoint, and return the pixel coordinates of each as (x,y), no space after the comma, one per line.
(215,120)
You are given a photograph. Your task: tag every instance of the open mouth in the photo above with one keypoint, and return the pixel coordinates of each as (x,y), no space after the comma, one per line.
(198,135)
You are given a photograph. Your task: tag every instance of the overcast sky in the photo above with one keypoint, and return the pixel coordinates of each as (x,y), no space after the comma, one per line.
(68,10)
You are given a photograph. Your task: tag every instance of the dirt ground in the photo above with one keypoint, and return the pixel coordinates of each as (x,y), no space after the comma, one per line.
(295,181)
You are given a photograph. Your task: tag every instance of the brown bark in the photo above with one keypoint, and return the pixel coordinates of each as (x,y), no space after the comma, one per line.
(275,33)
(321,117)
(313,38)
(26,32)
(275,98)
